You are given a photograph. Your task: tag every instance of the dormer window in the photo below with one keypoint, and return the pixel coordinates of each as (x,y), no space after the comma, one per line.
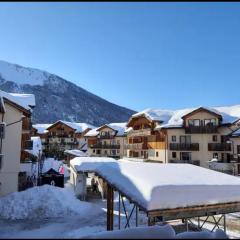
(210,122)
(194,122)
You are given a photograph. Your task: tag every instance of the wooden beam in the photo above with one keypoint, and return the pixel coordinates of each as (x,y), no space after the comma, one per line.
(110,196)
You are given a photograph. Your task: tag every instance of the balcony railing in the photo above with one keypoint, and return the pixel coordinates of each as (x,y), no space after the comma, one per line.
(219,146)
(107,136)
(194,162)
(184,146)
(201,129)
(140,132)
(105,146)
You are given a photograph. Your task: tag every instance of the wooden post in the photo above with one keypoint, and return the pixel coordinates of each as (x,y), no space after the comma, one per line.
(110,195)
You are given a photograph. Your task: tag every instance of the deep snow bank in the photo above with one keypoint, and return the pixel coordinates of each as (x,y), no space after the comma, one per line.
(41,202)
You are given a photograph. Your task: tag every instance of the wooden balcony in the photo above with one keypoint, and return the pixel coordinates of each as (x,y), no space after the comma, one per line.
(107,136)
(140,132)
(201,129)
(194,162)
(219,146)
(184,146)
(105,146)
(137,146)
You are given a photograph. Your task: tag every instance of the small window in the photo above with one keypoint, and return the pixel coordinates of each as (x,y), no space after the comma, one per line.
(93,150)
(174,138)
(1,160)
(222,156)
(215,155)
(174,154)
(214,138)
(156,154)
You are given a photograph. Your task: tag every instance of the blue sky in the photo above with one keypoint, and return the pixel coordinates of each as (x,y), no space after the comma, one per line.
(138,55)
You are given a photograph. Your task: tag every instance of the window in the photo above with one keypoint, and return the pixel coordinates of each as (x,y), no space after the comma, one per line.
(93,150)
(105,152)
(185,139)
(210,122)
(214,138)
(156,154)
(174,139)
(185,156)
(174,154)
(222,156)
(1,160)
(98,151)
(194,122)
(2,130)
(215,155)
(238,149)
(113,152)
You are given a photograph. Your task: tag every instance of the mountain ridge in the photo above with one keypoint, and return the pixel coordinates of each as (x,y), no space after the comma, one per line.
(58,98)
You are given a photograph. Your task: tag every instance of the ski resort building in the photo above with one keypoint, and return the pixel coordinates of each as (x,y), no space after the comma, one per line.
(15,128)
(107,141)
(194,135)
(62,135)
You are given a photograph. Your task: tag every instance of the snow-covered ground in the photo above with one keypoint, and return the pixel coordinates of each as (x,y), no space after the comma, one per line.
(90,218)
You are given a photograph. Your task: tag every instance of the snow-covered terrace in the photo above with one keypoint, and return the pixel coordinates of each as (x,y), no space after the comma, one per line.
(167,190)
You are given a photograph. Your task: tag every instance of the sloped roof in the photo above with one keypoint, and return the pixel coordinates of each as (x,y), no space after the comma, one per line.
(26,101)
(79,127)
(174,118)
(41,128)
(236,133)
(119,127)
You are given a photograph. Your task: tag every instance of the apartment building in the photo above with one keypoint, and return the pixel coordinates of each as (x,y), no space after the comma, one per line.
(194,135)
(107,140)
(15,111)
(61,136)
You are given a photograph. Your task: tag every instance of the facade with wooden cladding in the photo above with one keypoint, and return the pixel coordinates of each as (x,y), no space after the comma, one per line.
(62,136)
(201,136)
(143,141)
(107,141)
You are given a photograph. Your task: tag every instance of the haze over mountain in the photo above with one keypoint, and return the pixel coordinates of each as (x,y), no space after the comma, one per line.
(57,98)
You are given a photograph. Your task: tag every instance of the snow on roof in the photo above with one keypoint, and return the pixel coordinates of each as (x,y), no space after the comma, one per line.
(37,146)
(160,186)
(76,152)
(24,100)
(157,232)
(92,133)
(41,128)
(80,127)
(169,118)
(90,163)
(119,127)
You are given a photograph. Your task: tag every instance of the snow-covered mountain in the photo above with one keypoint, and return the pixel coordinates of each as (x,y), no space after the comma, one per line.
(57,98)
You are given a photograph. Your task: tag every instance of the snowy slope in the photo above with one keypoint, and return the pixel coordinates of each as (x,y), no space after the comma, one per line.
(57,98)
(22,75)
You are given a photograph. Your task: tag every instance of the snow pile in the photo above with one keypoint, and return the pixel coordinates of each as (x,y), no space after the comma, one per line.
(92,133)
(41,128)
(156,232)
(41,202)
